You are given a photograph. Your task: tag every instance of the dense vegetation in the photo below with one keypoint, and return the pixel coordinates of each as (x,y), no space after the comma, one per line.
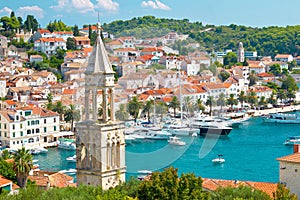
(266,40)
(162,185)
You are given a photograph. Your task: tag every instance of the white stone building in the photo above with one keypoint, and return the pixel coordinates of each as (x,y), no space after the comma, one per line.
(28,127)
(289,171)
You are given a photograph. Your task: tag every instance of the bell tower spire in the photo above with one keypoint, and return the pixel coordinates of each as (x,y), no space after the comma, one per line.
(100,142)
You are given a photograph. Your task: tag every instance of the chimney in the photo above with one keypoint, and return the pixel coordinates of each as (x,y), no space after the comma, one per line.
(296,148)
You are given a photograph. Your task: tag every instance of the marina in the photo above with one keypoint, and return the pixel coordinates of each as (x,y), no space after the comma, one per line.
(250,152)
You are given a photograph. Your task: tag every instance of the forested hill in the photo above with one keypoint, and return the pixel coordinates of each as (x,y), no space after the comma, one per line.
(266,41)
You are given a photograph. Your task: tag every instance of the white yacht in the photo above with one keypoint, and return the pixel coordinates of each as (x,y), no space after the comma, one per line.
(282,118)
(154,133)
(66,144)
(291,140)
(176,141)
(71,159)
(210,125)
(218,160)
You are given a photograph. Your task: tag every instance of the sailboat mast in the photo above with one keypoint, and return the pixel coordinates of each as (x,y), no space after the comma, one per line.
(180,93)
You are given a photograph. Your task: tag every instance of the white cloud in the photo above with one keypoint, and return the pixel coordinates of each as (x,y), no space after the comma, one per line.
(158,5)
(82,6)
(6,10)
(85,6)
(61,4)
(107,5)
(31,10)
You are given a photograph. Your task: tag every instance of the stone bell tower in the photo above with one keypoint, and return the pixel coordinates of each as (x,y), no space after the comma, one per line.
(100,143)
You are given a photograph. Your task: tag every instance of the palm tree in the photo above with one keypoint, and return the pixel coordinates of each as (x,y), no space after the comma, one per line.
(134,107)
(5,154)
(281,95)
(272,99)
(49,104)
(242,98)
(188,104)
(174,104)
(161,108)
(232,101)
(210,102)
(71,115)
(290,94)
(252,99)
(22,165)
(221,100)
(59,108)
(148,107)
(262,102)
(199,105)
(122,114)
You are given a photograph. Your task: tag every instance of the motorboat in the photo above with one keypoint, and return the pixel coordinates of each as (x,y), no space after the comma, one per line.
(291,140)
(210,125)
(71,158)
(218,160)
(176,141)
(42,149)
(153,133)
(181,130)
(66,144)
(217,129)
(129,138)
(143,174)
(282,118)
(34,151)
(236,119)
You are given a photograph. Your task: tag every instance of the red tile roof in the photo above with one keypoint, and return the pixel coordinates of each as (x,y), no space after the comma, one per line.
(295,158)
(282,55)
(213,184)
(51,40)
(81,39)
(41,31)
(69,91)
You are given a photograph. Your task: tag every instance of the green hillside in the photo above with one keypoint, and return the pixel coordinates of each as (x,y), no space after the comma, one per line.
(266,41)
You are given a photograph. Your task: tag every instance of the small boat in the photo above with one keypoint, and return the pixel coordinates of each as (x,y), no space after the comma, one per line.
(291,140)
(71,159)
(69,171)
(143,174)
(218,160)
(176,141)
(34,151)
(42,149)
(67,144)
(282,118)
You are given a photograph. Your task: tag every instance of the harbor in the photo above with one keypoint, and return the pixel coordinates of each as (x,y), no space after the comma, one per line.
(250,152)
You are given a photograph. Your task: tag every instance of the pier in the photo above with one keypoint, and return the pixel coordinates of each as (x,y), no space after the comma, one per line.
(290,108)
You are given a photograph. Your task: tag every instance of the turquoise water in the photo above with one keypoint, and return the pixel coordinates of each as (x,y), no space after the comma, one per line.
(250,153)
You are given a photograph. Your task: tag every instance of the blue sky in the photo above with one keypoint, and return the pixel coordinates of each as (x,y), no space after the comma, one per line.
(256,13)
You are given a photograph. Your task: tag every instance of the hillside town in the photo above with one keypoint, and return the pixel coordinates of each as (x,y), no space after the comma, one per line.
(36,103)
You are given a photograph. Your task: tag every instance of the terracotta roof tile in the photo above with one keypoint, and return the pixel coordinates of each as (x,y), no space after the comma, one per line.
(214,184)
(295,158)
(69,91)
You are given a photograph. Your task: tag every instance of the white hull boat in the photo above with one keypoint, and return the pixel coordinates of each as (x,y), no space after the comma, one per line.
(176,141)
(282,118)
(218,160)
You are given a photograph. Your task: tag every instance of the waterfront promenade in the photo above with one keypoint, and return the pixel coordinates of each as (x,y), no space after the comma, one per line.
(258,113)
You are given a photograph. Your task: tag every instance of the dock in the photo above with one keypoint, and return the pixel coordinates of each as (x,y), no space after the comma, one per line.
(290,108)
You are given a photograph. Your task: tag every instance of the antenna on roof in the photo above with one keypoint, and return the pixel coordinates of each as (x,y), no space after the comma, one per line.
(98,17)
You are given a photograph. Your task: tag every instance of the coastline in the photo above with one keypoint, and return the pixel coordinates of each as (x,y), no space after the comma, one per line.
(258,113)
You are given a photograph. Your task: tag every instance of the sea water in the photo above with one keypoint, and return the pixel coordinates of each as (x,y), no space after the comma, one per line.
(250,152)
